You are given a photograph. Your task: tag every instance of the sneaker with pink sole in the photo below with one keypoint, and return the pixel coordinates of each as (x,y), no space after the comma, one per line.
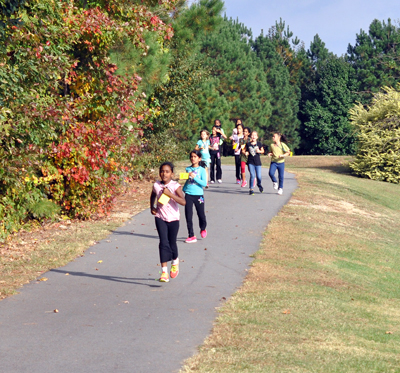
(203,234)
(244,184)
(191,239)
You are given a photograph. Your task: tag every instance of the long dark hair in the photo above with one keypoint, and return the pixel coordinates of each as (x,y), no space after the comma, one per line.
(282,137)
(194,151)
(215,122)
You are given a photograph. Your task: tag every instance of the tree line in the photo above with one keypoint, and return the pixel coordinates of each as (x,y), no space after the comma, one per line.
(94,92)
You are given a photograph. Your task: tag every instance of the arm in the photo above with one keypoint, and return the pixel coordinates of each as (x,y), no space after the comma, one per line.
(285,155)
(178,197)
(197,147)
(202,180)
(153,197)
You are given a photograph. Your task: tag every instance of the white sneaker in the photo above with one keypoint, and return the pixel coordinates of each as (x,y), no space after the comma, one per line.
(275,185)
(280,191)
(211,182)
(219,181)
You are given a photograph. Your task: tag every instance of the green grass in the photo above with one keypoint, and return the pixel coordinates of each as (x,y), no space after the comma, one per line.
(323,293)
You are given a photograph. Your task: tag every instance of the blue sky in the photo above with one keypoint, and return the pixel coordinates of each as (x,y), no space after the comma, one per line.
(336,21)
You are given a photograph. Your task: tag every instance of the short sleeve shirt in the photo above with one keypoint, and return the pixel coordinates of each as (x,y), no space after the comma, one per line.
(205,153)
(277,151)
(170,211)
(254,157)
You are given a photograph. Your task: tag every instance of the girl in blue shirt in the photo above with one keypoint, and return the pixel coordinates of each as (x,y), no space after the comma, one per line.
(194,195)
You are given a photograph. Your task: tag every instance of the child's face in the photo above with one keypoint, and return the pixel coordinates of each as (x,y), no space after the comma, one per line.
(246,132)
(254,136)
(217,123)
(195,159)
(165,174)
(203,136)
(275,137)
(214,131)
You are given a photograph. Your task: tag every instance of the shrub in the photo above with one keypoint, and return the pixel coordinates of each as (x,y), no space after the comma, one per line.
(378,138)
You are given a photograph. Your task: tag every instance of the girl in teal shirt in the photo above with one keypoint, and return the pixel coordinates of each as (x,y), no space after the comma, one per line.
(194,195)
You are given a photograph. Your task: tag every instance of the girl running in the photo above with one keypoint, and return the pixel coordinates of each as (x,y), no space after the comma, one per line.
(193,189)
(215,156)
(222,136)
(278,151)
(204,146)
(243,157)
(253,150)
(167,218)
(237,151)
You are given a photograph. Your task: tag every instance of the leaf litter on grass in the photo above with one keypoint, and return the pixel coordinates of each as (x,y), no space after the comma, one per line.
(335,272)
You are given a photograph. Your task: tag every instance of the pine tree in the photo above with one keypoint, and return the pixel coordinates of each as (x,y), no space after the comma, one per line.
(239,81)
(376,58)
(278,59)
(326,128)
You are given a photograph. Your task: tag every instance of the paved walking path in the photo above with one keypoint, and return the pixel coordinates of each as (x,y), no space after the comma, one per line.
(118,318)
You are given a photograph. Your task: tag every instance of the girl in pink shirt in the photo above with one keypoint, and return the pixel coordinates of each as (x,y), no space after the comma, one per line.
(167,218)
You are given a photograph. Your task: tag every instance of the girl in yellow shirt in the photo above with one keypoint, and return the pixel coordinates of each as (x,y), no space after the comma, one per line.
(278,151)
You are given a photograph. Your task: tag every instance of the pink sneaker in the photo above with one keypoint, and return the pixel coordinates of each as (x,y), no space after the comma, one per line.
(191,239)
(244,184)
(203,234)
(237,181)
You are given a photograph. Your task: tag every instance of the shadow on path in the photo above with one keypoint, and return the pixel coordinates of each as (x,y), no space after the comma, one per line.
(133,281)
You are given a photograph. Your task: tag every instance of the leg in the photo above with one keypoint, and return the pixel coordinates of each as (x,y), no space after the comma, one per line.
(189,214)
(237,167)
(219,169)
(212,170)
(164,248)
(272,170)
(252,175)
(281,173)
(173,228)
(259,177)
(200,209)
(243,170)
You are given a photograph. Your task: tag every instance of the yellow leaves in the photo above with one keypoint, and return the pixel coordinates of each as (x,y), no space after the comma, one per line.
(43,279)
(100,261)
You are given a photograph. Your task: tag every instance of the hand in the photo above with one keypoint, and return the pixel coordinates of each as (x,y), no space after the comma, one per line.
(269,154)
(167,192)
(192,175)
(153,211)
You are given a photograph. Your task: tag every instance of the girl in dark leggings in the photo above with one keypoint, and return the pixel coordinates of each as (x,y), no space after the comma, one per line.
(168,194)
(194,195)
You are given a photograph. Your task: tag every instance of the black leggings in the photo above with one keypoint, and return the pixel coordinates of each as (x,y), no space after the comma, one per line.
(215,161)
(198,201)
(168,232)
(238,167)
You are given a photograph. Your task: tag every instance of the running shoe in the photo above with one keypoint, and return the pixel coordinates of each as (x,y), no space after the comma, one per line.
(251,192)
(212,182)
(191,239)
(164,277)
(275,185)
(174,270)
(280,191)
(237,181)
(203,234)
(261,189)
(219,181)
(244,184)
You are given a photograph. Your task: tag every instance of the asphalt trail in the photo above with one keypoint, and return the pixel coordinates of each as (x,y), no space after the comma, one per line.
(118,318)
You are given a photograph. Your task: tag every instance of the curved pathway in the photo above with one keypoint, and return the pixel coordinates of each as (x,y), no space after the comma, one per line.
(118,318)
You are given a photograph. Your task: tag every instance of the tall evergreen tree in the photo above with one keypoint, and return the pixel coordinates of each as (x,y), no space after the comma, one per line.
(326,128)
(278,60)
(376,58)
(238,79)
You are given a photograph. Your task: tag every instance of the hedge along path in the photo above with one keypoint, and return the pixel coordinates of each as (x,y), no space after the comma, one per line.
(323,291)
(106,312)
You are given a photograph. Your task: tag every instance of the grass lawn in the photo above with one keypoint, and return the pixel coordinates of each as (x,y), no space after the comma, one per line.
(323,292)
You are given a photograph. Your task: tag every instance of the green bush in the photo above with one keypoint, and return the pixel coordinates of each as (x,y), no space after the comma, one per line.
(378,138)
